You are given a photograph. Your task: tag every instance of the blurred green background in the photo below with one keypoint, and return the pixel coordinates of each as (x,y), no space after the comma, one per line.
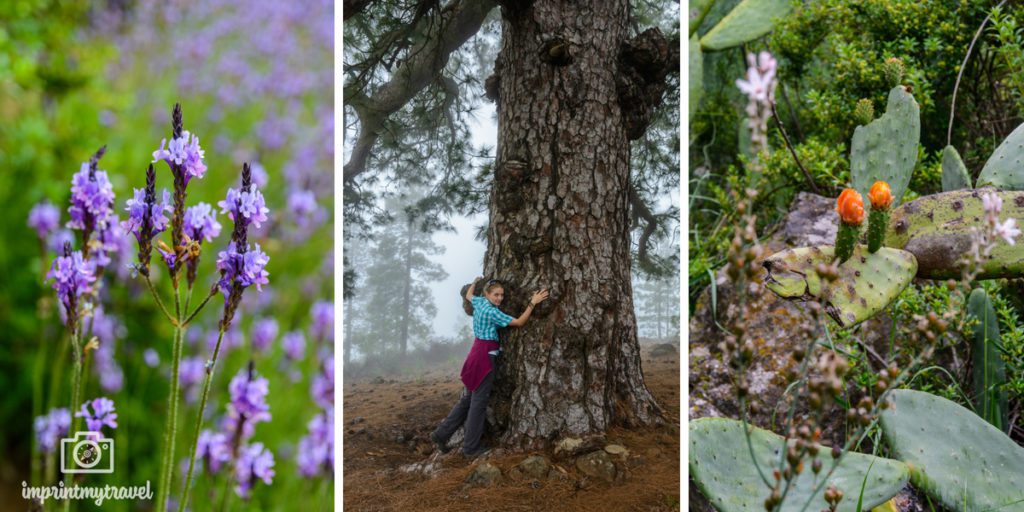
(255,83)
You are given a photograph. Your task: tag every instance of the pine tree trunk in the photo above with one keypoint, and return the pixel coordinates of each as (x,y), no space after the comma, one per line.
(559,220)
(407,283)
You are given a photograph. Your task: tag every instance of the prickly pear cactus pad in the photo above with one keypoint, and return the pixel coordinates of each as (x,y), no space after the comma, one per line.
(937,230)
(747,21)
(1005,168)
(721,466)
(886,149)
(954,456)
(867,282)
(954,172)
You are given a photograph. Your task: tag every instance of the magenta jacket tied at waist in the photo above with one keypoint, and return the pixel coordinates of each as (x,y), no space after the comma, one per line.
(478,363)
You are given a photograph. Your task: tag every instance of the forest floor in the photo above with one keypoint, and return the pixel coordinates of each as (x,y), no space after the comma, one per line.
(387,423)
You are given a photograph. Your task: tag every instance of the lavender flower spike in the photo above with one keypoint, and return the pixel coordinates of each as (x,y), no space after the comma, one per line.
(102,414)
(264,332)
(323,320)
(92,196)
(244,269)
(185,153)
(44,218)
(254,462)
(248,393)
(316,450)
(72,276)
(51,427)
(245,205)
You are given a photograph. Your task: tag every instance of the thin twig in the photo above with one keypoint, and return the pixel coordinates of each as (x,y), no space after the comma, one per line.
(160,303)
(785,137)
(960,74)
(200,307)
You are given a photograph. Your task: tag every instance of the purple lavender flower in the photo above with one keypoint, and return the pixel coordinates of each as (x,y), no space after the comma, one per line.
(323,320)
(136,208)
(316,450)
(264,332)
(249,393)
(254,462)
(92,196)
(44,218)
(247,268)
(247,207)
(201,223)
(102,415)
(214,449)
(170,259)
(72,276)
(51,427)
(294,344)
(185,152)
(304,209)
(151,358)
(322,387)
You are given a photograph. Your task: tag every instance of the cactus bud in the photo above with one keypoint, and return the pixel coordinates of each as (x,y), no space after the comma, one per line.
(864,112)
(850,207)
(893,70)
(881,199)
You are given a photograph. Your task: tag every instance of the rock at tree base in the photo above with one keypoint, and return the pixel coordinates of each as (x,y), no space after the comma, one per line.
(535,466)
(569,447)
(616,449)
(597,465)
(484,475)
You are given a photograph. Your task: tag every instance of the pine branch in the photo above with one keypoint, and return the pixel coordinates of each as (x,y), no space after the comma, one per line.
(461,22)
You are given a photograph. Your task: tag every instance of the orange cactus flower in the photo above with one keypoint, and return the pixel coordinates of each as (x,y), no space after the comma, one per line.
(880,195)
(850,207)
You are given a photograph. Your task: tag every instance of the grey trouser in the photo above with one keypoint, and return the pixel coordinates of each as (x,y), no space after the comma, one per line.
(471,410)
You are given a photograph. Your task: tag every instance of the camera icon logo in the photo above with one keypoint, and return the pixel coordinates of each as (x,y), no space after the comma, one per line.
(86,453)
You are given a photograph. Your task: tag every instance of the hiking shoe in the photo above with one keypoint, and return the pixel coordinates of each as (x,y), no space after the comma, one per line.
(480,452)
(441,445)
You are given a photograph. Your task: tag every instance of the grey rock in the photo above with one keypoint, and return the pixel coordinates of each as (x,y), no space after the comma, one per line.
(485,475)
(535,466)
(598,465)
(616,449)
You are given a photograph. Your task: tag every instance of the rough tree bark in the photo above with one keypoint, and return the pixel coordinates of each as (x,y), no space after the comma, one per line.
(571,93)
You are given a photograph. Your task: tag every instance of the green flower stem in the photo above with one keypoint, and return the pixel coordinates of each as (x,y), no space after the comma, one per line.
(845,240)
(878,220)
(171,427)
(200,307)
(76,398)
(199,420)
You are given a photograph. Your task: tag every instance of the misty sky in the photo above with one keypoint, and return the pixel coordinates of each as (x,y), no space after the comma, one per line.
(464,255)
